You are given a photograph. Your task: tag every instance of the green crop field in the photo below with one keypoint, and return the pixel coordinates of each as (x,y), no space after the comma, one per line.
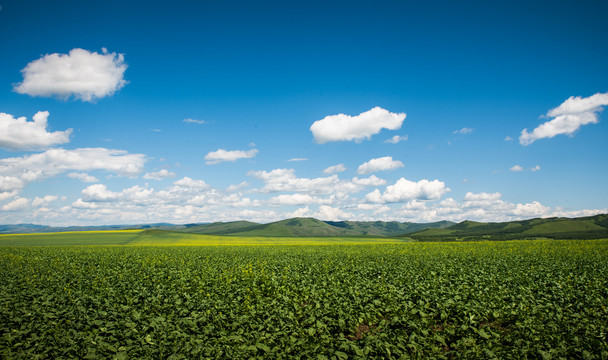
(354,299)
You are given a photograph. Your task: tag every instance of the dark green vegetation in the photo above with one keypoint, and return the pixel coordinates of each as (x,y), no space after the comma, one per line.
(592,227)
(289,227)
(504,300)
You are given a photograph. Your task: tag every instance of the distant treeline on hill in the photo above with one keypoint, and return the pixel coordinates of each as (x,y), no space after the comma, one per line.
(591,227)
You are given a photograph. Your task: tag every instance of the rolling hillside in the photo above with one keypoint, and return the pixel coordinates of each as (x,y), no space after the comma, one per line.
(591,227)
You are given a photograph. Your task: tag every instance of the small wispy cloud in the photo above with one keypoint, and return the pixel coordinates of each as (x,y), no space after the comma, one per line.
(195,121)
(379,164)
(463,131)
(335,169)
(536,168)
(396,139)
(516,168)
(297,159)
(156,130)
(159,175)
(508,138)
(215,157)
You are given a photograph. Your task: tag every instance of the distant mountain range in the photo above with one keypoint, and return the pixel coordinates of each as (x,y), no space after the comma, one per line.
(556,228)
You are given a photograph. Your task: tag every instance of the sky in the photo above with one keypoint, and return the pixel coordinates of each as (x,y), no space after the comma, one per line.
(129,112)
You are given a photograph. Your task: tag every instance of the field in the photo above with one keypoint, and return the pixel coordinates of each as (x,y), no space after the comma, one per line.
(130,297)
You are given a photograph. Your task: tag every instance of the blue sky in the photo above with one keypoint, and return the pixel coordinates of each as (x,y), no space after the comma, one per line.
(203,111)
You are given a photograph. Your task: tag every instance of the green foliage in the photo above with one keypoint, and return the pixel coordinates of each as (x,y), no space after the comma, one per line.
(592,227)
(506,300)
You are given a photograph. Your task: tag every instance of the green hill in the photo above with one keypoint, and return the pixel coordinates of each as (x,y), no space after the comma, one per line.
(296,227)
(391,228)
(219,228)
(591,227)
(312,227)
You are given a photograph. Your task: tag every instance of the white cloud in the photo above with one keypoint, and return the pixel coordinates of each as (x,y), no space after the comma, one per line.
(300,199)
(516,168)
(215,157)
(508,138)
(370,181)
(376,208)
(463,131)
(20,134)
(237,187)
(482,196)
(297,159)
(335,169)
(84,177)
(567,118)
(279,180)
(194,121)
(533,209)
(343,127)
(301,212)
(536,168)
(83,74)
(10,183)
(17,205)
(19,171)
(44,201)
(396,139)
(379,164)
(159,175)
(404,190)
(187,182)
(329,213)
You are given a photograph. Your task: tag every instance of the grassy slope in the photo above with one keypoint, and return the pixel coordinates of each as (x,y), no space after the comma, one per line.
(120,237)
(297,227)
(313,227)
(173,238)
(585,227)
(221,228)
(382,228)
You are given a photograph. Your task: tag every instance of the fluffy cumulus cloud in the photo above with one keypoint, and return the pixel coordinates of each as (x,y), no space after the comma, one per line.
(405,190)
(185,200)
(17,204)
(84,177)
(516,168)
(567,118)
(379,164)
(159,175)
(396,139)
(82,74)
(221,155)
(343,127)
(329,213)
(20,134)
(369,181)
(16,172)
(285,180)
(334,169)
(300,199)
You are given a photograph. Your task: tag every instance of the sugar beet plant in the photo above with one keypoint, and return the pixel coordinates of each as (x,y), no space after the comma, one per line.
(536,299)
